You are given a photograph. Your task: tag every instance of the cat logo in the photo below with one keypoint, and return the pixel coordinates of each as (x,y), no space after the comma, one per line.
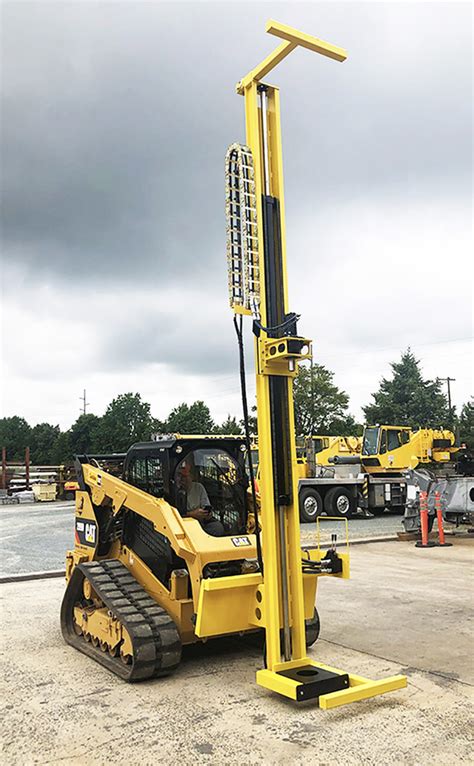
(90,533)
(240,541)
(86,532)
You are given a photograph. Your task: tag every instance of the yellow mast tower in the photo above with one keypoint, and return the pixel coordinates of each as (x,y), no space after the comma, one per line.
(258,287)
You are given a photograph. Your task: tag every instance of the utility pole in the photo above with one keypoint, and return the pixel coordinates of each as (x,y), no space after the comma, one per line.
(448,380)
(84,402)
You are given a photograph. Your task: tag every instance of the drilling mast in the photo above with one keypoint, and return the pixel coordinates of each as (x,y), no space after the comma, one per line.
(256,254)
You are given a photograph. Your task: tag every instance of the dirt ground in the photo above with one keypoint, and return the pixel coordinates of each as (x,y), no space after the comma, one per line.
(404,610)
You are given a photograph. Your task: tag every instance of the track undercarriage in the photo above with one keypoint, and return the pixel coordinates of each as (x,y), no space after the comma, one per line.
(107,615)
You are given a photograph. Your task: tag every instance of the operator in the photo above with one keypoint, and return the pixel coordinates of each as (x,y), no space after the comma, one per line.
(198,505)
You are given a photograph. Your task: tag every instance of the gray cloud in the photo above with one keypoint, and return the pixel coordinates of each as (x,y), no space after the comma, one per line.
(115,122)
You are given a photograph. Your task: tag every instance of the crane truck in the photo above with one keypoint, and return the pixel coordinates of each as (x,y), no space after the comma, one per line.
(375,478)
(147,574)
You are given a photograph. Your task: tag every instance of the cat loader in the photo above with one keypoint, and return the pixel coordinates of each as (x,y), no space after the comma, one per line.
(162,556)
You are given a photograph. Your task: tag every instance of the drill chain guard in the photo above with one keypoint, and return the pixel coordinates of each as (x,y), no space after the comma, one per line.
(241,230)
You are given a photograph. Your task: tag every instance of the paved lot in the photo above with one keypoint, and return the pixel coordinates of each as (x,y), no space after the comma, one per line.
(35,537)
(404,610)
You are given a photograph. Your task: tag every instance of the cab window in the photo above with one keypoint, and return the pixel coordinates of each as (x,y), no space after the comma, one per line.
(213,477)
(146,473)
(383,442)
(393,440)
(371,437)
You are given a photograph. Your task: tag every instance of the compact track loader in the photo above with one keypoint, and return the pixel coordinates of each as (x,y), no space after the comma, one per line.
(163,556)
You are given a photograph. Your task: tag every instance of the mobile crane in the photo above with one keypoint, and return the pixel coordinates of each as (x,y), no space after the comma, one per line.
(143,578)
(375,476)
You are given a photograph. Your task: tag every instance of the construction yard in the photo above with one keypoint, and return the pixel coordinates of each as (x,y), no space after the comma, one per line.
(35,537)
(253,540)
(392,617)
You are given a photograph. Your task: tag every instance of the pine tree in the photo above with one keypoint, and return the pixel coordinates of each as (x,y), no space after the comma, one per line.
(466,424)
(407,399)
(229,426)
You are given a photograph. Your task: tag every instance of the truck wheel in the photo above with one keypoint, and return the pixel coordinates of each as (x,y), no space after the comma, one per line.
(311,505)
(312,628)
(339,502)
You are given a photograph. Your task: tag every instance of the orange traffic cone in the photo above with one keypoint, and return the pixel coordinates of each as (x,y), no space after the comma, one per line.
(439,514)
(424,542)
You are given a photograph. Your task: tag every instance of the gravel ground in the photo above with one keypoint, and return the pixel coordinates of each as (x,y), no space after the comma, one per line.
(35,537)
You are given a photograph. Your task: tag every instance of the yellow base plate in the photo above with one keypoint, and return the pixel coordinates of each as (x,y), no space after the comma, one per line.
(360,688)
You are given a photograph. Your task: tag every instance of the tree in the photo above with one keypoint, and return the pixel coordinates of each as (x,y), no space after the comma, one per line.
(466,424)
(127,420)
(84,434)
(320,406)
(43,441)
(229,426)
(15,435)
(62,452)
(407,399)
(253,425)
(194,419)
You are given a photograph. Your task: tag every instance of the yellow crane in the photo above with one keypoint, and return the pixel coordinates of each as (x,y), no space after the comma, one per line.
(147,573)
(398,448)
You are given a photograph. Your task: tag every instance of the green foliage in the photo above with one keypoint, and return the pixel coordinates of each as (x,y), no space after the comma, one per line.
(127,420)
(84,434)
(320,406)
(62,452)
(194,419)
(408,399)
(253,425)
(229,426)
(43,442)
(15,435)
(466,424)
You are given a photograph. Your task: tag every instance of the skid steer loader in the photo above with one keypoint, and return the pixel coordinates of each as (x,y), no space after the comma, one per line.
(163,556)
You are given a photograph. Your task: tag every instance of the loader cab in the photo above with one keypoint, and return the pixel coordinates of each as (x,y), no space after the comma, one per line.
(173,467)
(380,442)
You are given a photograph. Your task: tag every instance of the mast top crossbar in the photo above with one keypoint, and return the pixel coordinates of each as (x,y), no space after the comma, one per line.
(292,39)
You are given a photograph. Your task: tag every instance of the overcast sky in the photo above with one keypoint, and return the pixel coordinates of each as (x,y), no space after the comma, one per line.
(115,122)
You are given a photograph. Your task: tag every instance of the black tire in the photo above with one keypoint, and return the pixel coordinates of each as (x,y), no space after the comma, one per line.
(311,505)
(340,502)
(312,628)
(430,523)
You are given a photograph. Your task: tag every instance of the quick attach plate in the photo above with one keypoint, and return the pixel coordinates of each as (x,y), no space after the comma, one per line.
(315,681)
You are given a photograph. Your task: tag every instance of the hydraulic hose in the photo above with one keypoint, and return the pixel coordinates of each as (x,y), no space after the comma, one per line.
(245,409)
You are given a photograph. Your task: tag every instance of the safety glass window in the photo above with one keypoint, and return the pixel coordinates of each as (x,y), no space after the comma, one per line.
(393,440)
(212,479)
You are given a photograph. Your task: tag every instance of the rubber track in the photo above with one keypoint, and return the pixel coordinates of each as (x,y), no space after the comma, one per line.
(155,639)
